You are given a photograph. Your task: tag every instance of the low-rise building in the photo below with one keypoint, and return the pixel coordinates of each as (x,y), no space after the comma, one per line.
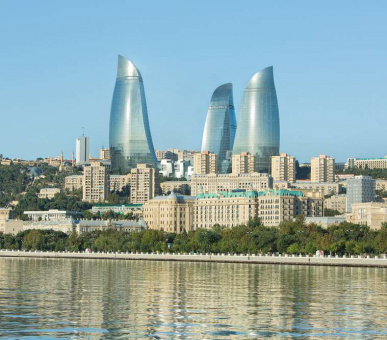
(183,187)
(366,163)
(85,226)
(49,192)
(172,213)
(123,209)
(65,226)
(73,182)
(373,214)
(117,182)
(213,183)
(326,188)
(9,226)
(336,202)
(6,214)
(325,221)
(52,215)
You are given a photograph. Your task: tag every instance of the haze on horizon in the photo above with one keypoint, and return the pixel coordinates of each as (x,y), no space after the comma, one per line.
(59,61)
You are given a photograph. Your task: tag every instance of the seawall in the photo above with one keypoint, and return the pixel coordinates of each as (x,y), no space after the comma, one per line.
(353,261)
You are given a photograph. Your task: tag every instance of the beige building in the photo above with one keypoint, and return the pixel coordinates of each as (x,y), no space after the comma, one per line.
(104,154)
(49,192)
(326,188)
(96,182)
(205,163)
(244,163)
(214,183)
(172,213)
(336,202)
(381,184)
(144,183)
(272,207)
(372,214)
(117,182)
(322,169)
(11,226)
(6,214)
(183,187)
(283,168)
(74,182)
(369,163)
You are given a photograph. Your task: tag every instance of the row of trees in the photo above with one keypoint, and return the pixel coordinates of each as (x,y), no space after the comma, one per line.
(292,237)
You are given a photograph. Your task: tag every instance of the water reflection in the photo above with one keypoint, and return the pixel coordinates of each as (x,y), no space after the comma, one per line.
(105,299)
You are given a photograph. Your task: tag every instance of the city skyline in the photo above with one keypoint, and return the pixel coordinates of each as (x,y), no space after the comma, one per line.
(329,77)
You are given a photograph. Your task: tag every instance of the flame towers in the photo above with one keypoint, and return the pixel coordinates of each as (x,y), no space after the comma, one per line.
(258,121)
(220,126)
(129,134)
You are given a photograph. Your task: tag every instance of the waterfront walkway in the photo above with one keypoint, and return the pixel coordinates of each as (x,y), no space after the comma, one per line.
(351,261)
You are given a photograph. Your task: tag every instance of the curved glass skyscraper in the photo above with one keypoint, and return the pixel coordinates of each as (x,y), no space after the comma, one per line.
(129,134)
(220,126)
(258,121)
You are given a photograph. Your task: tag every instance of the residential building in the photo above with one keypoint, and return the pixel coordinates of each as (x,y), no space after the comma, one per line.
(117,182)
(283,168)
(167,167)
(82,150)
(360,189)
(129,135)
(49,192)
(73,182)
(104,154)
(372,214)
(336,202)
(166,154)
(322,169)
(235,208)
(172,213)
(258,120)
(96,182)
(214,183)
(366,163)
(243,163)
(205,163)
(144,183)
(220,127)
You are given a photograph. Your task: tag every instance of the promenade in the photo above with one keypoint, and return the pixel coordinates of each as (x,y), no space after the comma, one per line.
(352,261)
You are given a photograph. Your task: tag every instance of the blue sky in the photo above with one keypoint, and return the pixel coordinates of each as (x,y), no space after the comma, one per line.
(58,65)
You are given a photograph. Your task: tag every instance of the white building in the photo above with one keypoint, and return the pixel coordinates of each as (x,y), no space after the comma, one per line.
(360,189)
(82,150)
(49,192)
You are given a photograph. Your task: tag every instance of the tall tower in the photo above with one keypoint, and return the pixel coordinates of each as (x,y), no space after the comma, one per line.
(129,134)
(220,126)
(258,121)
(82,150)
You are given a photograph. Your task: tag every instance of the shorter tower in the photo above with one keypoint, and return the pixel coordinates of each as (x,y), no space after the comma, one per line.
(205,163)
(144,183)
(322,169)
(96,182)
(283,168)
(243,163)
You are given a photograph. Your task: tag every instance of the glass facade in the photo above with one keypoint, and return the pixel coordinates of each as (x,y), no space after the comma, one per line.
(129,134)
(220,126)
(258,121)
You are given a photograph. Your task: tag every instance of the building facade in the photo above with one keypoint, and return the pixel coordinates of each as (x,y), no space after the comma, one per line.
(205,163)
(360,189)
(283,168)
(117,182)
(336,202)
(183,187)
(373,214)
(366,163)
(104,154)
(258,129)
(214,183)
(144,183)
(96,182)
(49,192)
(129,133)
(322,169)
(220,126)
(325,188)
(172,213)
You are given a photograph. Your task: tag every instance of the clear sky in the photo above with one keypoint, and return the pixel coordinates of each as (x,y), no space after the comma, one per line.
(58,66)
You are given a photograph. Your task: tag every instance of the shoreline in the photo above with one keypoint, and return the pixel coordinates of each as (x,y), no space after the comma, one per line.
(376,262)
